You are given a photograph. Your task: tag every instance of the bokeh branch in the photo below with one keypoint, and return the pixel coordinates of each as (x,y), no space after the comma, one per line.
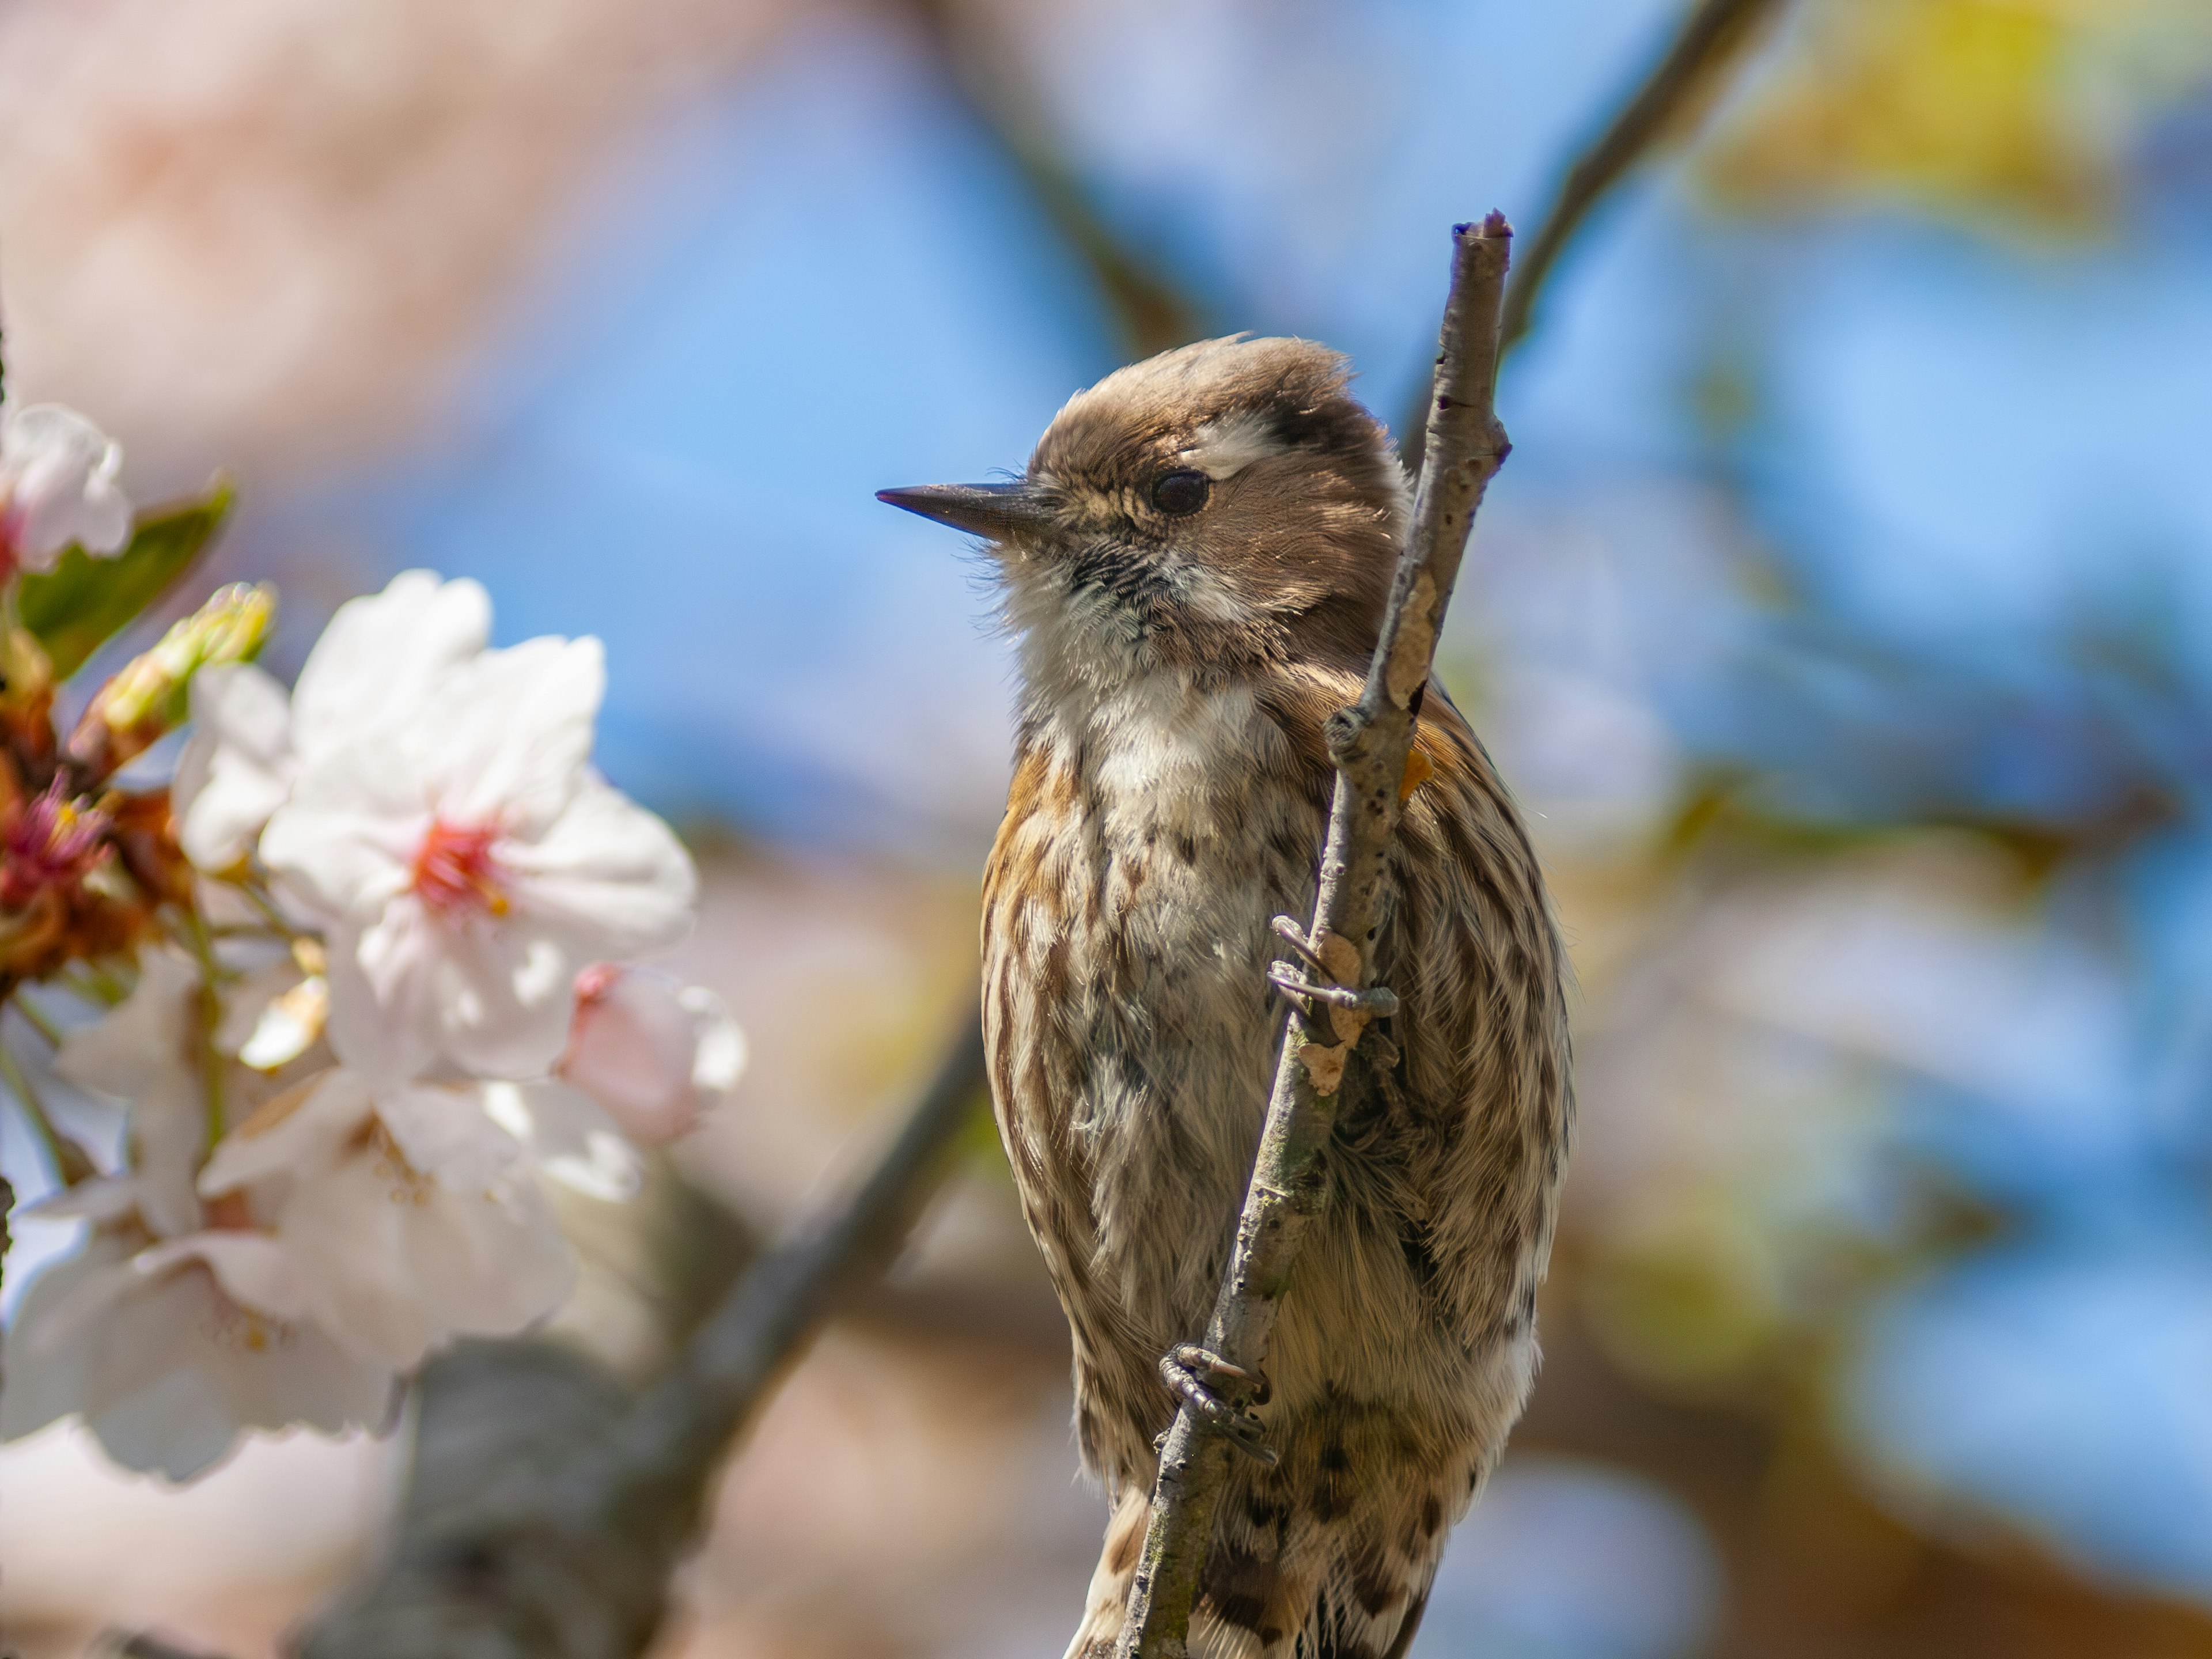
(1370,743)
(549,1506)
(1668,99)
(1673,91)
(980,65)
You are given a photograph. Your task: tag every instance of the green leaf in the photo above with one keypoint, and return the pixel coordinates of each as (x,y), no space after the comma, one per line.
(83,602)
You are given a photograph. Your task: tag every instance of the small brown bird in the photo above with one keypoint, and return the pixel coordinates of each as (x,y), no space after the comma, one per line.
(1195,565)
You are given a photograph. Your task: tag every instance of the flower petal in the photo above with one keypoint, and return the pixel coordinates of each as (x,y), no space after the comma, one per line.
(297,1133)
(58,473)
(504,997)
(393,1265)
(252,1268)
(382,655)
(146,1053)
(654,1052)
(445,1134)
(573,1140)
(505,741)
(346,840)
(236,770)
(611,873)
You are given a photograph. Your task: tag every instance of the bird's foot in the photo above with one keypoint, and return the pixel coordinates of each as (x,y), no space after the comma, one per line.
(1190,1369)
(1327,984)
(1379,1001)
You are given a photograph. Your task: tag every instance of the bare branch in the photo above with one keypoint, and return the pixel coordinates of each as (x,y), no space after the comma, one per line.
(1369,743)
(1711,38)
(986,72)
(548,1506)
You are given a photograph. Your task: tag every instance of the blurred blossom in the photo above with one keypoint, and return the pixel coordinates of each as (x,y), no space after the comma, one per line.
(569,1137)
(407,1215)
(165,1366)
(654,1052)
(1568,1560)
(277,1013)
(144,1052)
(58,486)
(50,842)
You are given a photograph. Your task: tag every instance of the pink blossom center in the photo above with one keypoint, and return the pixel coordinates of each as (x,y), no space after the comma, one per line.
(53,840)
(455,873)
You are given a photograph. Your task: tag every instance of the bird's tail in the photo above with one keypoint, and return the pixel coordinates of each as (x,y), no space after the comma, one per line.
(1109,1593)
(1351,1591)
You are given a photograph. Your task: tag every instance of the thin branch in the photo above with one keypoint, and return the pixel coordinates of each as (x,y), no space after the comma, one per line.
(548,1506)
(139,1645)
(1711,38)
(1369,743)
(1149,311)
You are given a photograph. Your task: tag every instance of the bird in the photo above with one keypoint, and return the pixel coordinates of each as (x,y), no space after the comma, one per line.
(1193,568)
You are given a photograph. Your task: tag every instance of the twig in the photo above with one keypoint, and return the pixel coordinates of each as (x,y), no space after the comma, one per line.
(1710,36)
(139,1645)
(1152,313)
(549,1506)
(1369,743)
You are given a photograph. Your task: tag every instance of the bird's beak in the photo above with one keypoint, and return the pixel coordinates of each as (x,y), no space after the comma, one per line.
(1002,512)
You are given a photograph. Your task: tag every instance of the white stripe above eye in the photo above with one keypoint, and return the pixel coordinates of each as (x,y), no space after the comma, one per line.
(1223,448)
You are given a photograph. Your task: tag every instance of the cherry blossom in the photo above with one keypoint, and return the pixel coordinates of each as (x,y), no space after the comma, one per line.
(406,1215)
(143,1053)
(469,861)
(376,662)
(654,1052)
(167,1368)
(567,1137)
(49,841)
(58,485)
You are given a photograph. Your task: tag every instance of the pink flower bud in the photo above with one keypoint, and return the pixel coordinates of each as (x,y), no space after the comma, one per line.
(654,1053)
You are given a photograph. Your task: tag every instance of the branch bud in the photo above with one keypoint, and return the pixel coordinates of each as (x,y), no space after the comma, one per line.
(146,697)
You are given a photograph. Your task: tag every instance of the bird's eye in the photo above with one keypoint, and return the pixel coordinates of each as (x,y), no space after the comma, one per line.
(1181,494)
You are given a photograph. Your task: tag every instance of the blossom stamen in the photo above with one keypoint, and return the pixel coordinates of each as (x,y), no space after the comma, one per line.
(52,841)
(455,873)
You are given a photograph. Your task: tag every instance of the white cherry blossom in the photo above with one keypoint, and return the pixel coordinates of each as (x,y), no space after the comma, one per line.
(59,483)
(568,1136)
(376,662)
(406,1216)
(275,1015)
(144,1053)
(165,1360)
(654,1052)
(469,861)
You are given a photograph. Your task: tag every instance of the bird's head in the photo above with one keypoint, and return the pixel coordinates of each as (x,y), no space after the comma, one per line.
(1223,505)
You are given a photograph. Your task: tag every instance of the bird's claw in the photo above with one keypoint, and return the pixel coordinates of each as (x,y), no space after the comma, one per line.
(1378,1001)
(1188,1368)
(1292,931)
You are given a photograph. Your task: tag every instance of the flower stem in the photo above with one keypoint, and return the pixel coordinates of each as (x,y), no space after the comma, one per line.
(67,1158)
(95,984)
(202,948)
(259,898)
(38,1019)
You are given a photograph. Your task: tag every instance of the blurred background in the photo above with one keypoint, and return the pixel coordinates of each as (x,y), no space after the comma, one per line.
(1843,619)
